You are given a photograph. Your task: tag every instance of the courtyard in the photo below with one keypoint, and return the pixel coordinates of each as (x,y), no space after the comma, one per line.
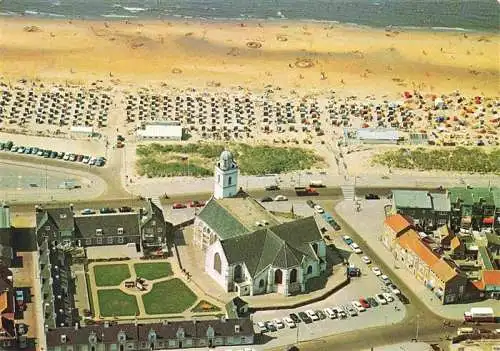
(135,288)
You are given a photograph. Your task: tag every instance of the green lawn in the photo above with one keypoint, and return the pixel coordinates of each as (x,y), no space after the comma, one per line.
(111,274)
(171,296)
(153,270)
(116,303)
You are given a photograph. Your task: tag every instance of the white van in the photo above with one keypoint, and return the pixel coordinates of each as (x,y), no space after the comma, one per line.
(465,331)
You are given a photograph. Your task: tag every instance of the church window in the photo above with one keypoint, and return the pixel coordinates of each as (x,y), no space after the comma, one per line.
(237,273)
(217,263)
(293,276)
(309,269)
(315,247)
(229,181)
(278,276)
(261,283)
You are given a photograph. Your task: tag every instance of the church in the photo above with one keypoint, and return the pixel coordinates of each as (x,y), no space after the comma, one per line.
(247,249)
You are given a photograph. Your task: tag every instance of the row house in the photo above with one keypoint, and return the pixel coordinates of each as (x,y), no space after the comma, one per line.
(437,274)
(475,208)
(154,336)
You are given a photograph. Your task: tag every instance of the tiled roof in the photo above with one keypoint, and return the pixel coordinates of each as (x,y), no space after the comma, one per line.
(411,241)
(412,199)
(440,202)
(283,245)
(491,278)
(397,223)
(470,196)
(221,221)
(141,332)
(109,223)
(443,270)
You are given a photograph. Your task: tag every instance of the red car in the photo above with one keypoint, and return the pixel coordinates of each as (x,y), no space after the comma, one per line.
(178,205)
(196,203)
(364,303)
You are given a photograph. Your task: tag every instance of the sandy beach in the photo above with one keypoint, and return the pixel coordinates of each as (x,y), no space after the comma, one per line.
(350,60)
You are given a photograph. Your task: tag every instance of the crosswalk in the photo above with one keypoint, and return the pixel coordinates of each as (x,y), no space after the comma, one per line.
(349,192)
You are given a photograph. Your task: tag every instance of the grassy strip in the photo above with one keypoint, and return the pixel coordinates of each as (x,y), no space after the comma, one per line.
(153,270)
(157,160)
(462,159)
(111,274)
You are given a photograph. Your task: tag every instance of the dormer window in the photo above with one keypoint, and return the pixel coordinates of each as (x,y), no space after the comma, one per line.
(62,215)
(120,231)
(98,231)
(92,338)
(122,337)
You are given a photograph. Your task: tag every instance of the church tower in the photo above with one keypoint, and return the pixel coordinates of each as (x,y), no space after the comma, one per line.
(226,176)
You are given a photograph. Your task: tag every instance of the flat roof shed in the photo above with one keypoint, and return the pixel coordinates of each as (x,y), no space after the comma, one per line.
(160,131)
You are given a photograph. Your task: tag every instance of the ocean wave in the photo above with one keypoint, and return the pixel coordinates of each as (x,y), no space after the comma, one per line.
(43,14)
(135,9)
(9,13)
(452,29)
(114,15)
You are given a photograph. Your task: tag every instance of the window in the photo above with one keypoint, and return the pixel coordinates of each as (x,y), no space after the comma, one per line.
(159,230)
(153,222)
(229,181)
(120,240)
(47,227)
(120,231)
(98,232)
(110,240)
(99,241)
(217,263)
(237,273)
(278,276)
(261,283)
(88,241)
(293,276)
(309,269)
(315,247)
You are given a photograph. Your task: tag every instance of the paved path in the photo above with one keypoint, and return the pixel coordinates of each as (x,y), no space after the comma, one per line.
(368,223)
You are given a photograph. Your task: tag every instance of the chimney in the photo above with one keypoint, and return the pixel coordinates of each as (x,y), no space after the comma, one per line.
(63,339)
(165,322)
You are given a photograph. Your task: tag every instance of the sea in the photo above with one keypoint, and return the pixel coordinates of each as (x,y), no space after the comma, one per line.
(454,15)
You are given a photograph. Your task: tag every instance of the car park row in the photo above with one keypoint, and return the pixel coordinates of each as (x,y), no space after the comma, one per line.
(45,153)
(344,311)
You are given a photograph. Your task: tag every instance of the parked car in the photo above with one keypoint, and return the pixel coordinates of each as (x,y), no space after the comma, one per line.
(319,209)
(320,314)
(86,159)
(340,312)
(310,203)
(272,187)
(271,327)
(394,289)
(125,209)
(289,322)
(87,211)
(107,210)
(79,158)
(388,297)
(381,299)
(53,154)
(178,205)
(196,203)
(34,150)
(357,305)
(312,315)
(262,327)
(46,153)
(92,161)
(372,301)
(330,313)
(376,271)
(372,197)
(60,155)
(385,279)
(278,323)
(21,149)
(280,198)
(66,157)
(352,310)
(364,303)
(294,318)
(356,248)
(305,318)
(366,259)
(347,239)
(266,199)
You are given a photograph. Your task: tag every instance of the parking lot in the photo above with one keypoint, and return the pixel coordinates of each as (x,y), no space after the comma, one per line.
(367,285)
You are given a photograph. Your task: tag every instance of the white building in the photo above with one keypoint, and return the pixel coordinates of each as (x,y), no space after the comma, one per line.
(248,250)
(160,131)
(226,176)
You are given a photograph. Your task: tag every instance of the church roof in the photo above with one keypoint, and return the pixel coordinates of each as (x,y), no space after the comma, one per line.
(220,221)
(235,216)
(283,245)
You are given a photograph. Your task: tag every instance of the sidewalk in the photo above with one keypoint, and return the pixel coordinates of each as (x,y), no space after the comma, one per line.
(368,223)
